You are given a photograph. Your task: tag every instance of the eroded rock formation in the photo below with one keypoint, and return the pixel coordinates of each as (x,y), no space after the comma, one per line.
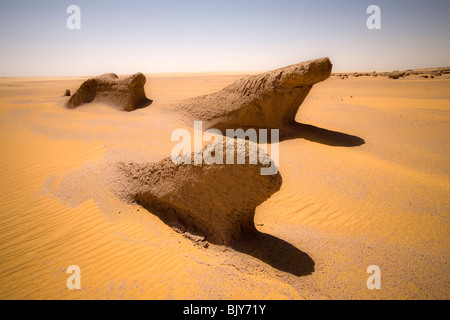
(215,201)
(397,74)
(268,100)
(128,93)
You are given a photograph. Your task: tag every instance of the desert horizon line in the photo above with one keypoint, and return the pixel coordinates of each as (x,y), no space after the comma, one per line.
(230,72)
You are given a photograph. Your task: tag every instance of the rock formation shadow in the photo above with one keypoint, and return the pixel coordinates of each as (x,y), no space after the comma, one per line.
(277,253)
(320,135)
(144,104)
(267,248)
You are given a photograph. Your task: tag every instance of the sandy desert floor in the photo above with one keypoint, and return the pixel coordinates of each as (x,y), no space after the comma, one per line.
(343,205)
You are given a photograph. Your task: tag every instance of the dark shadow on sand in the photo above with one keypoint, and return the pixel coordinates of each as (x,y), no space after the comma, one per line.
(143,104)
(271,250)
(277,253)
(320,135)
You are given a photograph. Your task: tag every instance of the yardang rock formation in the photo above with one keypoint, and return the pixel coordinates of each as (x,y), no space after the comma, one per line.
(268,100)
(128,94)
(215,201)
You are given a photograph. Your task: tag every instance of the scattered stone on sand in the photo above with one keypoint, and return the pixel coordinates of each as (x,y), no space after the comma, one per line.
(66,93)
(128,93)
(268,100)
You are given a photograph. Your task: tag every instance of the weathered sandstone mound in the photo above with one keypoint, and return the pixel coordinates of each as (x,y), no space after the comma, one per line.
(128,94)
(268,100)
(397,74)
(214,201)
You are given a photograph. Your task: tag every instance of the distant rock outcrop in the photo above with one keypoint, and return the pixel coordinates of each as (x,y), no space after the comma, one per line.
(66,93)
(268,100)
(214,201)
(397,74)
(128,94)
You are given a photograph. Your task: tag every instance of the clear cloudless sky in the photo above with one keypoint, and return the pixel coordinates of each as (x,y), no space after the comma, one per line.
(129,36)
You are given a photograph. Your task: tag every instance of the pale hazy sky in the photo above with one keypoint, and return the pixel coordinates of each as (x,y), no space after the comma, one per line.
(129,36)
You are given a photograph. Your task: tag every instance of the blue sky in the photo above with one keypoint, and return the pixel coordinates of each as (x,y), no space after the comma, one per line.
(194,36)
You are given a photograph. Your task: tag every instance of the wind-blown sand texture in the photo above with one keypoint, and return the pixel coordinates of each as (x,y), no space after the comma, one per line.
(366,179)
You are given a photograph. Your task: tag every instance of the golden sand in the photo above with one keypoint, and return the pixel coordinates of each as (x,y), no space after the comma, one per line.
(342,206)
